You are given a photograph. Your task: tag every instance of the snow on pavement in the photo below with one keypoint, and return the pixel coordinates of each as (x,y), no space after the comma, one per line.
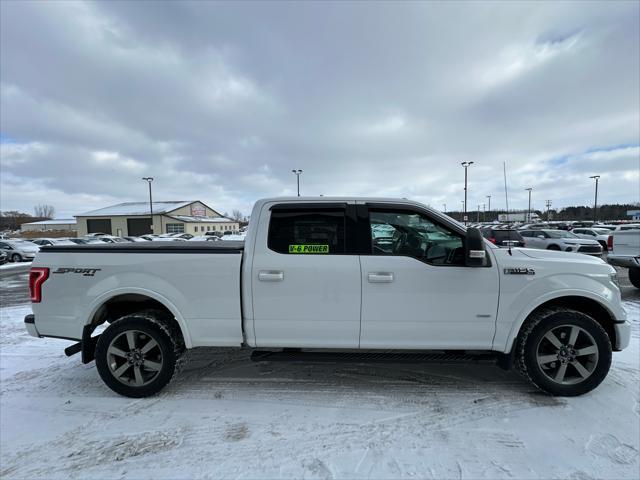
(225,416)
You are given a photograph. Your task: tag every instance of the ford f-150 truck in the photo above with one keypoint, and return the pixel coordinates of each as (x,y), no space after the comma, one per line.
(624,251)
(332,279)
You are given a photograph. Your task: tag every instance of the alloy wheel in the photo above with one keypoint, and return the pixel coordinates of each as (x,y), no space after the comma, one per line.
(567,354)
(134,358)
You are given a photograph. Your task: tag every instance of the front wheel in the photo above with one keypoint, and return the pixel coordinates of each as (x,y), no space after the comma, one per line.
(634,276)
(564,352)
(136,355)
(16,258)
(553,247)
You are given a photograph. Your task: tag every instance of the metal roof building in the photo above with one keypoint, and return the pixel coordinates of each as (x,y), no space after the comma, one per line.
(53,224)
(134,218)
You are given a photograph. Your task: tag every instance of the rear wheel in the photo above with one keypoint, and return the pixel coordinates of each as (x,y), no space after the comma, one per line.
(16,257)
(553,247)
(634,276)
(564,352)
(136,355)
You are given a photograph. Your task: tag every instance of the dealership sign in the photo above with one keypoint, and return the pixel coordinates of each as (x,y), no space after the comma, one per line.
(198,211)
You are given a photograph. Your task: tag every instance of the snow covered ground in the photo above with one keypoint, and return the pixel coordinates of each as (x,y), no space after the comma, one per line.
(226,417)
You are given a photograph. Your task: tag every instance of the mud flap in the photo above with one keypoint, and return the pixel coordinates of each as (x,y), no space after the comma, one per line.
(88,344)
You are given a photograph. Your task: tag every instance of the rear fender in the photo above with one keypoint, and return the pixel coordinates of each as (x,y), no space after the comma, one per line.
(105,297)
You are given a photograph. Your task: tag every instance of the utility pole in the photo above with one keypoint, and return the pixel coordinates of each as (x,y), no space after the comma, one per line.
(445,207)
(484,212)
(595,203)
(489,197)
(478,219)
(548,206)
(529,210)
(149,180)
(465,165)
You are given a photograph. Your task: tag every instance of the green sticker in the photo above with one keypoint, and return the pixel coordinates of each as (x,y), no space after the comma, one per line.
(308,248)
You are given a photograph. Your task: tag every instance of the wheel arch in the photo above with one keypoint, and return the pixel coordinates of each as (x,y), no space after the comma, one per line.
(581,303)
(119,302)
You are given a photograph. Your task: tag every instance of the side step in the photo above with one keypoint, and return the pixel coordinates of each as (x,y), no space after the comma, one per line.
(372,357)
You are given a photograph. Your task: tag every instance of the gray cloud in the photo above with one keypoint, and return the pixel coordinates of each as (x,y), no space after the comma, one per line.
(219,101)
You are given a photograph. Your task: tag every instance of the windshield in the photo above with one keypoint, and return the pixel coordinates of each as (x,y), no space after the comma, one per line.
(560,234)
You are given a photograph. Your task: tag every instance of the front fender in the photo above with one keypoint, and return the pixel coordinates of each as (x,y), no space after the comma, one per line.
(513,311)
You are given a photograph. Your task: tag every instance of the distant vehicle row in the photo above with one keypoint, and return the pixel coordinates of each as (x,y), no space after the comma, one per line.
(20,250)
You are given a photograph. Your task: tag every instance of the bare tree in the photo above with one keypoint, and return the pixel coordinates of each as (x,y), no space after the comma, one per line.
(237,215)
(44,211)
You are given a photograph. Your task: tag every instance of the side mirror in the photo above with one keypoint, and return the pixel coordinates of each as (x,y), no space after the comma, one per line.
(474,252)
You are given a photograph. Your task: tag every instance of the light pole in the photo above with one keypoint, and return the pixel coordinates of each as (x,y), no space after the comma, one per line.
(478,217)
(484,212)
(548,206)
(465,165)
(462,219)
(297,172)
(489,197)
(529,210)
(149,180)
(595,203)
(445,207)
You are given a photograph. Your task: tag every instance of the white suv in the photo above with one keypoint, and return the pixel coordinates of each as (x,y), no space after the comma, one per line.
(560,240)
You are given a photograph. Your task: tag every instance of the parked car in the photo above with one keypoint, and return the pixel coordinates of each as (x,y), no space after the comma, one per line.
(560,240)
(19,250)
(80,241)
(135,239)
(111,239)
(310,284)
(600,234)
(503,237)
(627,226)
(624,251)
(4,258)
(52,241)
(204,238)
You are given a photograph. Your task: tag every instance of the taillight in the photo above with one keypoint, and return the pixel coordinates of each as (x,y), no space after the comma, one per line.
(492,240)
(610,243)
(37,276)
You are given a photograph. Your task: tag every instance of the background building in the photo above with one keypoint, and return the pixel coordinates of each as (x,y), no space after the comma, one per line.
(133,218)
(53,224)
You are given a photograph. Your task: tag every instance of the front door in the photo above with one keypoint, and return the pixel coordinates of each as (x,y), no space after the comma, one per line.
(416,291)
(305,279)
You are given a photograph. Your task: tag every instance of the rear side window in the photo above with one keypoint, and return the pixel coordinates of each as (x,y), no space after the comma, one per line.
(307,232)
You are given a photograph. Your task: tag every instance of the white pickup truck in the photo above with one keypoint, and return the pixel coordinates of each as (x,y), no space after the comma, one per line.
(624,251)
(331,279)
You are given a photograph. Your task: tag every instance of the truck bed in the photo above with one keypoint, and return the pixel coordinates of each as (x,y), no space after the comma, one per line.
(198,282)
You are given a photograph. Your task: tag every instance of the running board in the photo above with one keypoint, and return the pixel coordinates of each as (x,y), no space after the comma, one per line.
(372,357)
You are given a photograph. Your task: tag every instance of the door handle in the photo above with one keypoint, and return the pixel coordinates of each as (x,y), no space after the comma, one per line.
(270,276)
(380,277)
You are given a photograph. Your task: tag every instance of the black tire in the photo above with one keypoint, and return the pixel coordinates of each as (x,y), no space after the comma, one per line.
(533,337)
(148,323)
(16,258)
(553,247)
(634,276)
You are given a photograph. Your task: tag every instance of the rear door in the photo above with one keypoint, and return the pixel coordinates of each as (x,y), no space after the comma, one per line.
(306,277)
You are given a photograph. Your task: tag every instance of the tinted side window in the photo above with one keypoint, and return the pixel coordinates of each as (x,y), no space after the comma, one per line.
(411,234)
(307,231)
(526,234)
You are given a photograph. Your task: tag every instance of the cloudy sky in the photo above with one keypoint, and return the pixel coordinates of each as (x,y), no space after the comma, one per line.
(219,101)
